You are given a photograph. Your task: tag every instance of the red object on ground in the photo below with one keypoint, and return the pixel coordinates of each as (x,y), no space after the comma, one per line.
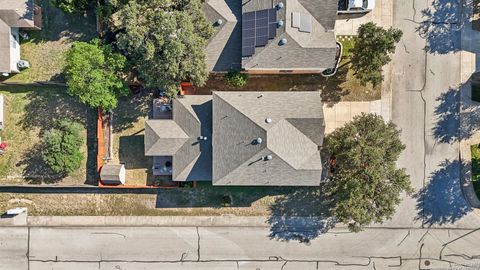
(3,146)
(187,88)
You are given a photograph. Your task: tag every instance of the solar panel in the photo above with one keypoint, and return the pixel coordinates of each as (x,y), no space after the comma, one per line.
(257,28)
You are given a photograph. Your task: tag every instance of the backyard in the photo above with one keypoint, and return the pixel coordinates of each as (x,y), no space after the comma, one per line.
(45,49)
(29,112)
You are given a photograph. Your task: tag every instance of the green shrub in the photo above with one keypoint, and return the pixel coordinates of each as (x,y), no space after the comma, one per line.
(71,6)
(62,144)
(236,79)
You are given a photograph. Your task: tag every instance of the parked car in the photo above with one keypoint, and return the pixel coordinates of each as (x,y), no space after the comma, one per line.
(355,6)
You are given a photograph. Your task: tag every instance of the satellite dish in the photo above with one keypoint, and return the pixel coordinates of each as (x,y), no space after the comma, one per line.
(283,41)
(279,5)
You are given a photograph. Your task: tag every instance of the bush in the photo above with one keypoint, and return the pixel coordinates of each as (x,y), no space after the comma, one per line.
(226,200)
(236,79)
(62,144)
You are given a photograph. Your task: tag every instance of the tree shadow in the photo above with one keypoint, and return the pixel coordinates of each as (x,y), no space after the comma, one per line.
(442,200)
(36,171)
(58,25)
(441,26)
(446,129)
(301,215)
(47,106)
(332,90)
(450,127)
(130,109)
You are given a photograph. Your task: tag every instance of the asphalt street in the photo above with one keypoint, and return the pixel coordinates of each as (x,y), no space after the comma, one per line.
(426,79)
(233,248)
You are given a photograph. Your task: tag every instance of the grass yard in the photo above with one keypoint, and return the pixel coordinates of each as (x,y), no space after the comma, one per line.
(45,50)
(29,111)
(128,139)
(343,86)
(476,168)
(200,201)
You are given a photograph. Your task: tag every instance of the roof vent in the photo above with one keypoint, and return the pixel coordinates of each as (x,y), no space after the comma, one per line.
(279,6)
(268,157)
(283,41)
(219,22)
(280,23)
(258,140)
(259,96)
(268,120)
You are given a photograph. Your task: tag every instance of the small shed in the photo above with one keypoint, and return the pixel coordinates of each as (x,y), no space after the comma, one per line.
(1,112)
(113,174)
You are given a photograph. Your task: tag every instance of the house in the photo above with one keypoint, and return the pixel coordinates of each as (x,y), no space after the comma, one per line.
(272,36)
(15,15)
(241,138)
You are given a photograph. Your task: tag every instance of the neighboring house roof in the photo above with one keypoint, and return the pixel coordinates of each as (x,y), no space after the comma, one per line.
(4,47)
(224,48)
(179,138)
(14,13)
(314,50)
(18,13)
(291,136)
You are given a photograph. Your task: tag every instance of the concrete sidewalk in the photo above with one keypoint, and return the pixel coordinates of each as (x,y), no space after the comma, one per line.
(469,109)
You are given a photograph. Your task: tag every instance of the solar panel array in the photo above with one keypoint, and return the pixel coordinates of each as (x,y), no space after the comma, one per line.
(257,28)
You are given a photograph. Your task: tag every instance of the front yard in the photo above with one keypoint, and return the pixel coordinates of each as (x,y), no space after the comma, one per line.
(29,111)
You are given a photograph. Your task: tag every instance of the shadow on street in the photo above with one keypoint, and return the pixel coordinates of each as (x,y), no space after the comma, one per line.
(301,215)
(441,201)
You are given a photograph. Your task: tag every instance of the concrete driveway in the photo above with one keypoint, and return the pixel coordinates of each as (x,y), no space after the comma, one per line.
(381,15)
(343,112)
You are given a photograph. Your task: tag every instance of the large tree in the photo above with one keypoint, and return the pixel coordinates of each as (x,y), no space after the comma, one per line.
(61,147)
(366,185)
(370,53)
(93,74)
(165,40)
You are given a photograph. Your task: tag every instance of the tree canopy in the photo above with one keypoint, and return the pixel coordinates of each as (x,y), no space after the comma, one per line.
(71,6)
(366,184)
(93,74)
(62,144)
(373,45)
(165,40)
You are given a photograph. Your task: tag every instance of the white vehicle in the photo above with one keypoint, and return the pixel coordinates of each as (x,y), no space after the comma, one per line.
(355,6)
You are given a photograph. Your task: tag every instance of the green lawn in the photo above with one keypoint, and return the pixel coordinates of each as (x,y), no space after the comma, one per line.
(29,111)
(45,50)
(476,168)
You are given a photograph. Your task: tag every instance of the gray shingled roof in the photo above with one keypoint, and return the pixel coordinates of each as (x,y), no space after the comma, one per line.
(13,13)
(224,48)
(313,51)
(192,118)
(292,138)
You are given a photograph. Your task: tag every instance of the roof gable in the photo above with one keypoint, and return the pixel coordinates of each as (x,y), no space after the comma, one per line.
(289,147)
